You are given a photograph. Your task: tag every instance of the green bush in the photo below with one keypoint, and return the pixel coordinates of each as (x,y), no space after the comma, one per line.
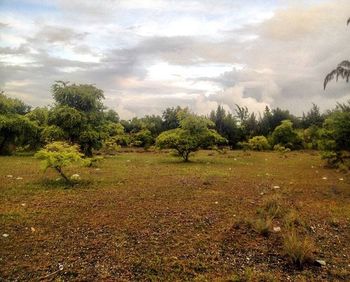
(286,136)
(58,155)
(259,143)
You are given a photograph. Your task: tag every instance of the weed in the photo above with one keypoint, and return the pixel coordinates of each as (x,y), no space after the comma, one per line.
(298,249)
(263,225)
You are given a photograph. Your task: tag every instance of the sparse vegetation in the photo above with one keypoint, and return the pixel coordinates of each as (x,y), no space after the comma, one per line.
(298,249)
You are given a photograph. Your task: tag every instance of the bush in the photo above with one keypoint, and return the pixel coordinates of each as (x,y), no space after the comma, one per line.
(286,136)
(58,155)
(258,143)
(280,148)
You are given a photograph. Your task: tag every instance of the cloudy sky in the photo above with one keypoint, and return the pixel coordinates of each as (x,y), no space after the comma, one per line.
(151,54)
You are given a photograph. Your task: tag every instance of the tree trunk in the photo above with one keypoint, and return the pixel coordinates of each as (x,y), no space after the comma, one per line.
(59,170)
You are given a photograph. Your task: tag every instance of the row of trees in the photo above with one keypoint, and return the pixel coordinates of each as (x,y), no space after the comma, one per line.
(78,116)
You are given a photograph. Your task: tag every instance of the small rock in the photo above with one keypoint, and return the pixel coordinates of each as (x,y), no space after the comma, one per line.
(9,175)
(341,178)
(19,178)
(276,187)
(97,169)
(23,204)
(267,174)
(235,159)
(5,235)
(229,168)
(216,203)
(75,177)
(58,179)
(128,161)
(277,229)
(320,262)
(324,178)
(32,229)
(262,193)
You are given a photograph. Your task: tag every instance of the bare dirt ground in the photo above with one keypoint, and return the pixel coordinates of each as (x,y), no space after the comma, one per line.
(150,217)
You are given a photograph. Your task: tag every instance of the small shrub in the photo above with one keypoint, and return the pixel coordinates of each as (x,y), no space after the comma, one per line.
(258,143)
(58,155)
(271,206)
(299,250)
(280,148)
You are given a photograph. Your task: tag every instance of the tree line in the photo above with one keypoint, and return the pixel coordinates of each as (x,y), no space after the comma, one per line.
(78,116)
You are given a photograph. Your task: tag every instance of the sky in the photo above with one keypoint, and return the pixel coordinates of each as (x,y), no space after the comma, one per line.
(147,55)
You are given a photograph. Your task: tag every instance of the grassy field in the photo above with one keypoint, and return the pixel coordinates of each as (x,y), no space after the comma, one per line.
(148,216)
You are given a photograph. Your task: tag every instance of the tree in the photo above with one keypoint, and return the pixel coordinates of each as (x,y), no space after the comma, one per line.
(286,136)
(342,70)
(58,155)
(193,133)
(170,118)
(226,125)
(12,105)
(312,118)
(15,128)
(79,112)
(83,97)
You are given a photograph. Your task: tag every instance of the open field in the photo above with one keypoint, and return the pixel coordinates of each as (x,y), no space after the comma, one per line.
(148,216)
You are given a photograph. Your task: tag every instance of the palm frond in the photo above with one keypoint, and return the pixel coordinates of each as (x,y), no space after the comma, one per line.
(342,71)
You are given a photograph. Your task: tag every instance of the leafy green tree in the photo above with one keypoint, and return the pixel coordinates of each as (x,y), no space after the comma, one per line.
(312,118)
(226,125)
(15,130)
(52,133)
(170,117)
(12,105)
(193,133)
(90,139)
(143,138)
(111,116)
(70,120)
(311,137)
(58,155)
(286,136)
(83,97)
(79,112)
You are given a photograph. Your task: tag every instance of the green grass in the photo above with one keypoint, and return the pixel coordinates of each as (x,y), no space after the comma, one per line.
(149,216)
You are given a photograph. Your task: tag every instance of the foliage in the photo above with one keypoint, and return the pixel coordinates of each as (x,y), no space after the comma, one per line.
(15,130)
(226,125)
(298,249)
(312,117)
(12,105)
(342,70)
(83,97)
(52,133)
(90,139)
(286,136)
(143,138)
(58,155)
(335,138)
(258,143)
(311,137)
(192,135)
